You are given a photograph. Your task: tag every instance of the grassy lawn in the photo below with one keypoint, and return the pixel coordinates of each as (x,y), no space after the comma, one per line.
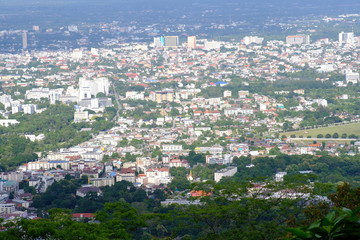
(352,128)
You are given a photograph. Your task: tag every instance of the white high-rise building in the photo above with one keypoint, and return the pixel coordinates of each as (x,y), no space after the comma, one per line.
(88,88)
(29,108)
(24,40)
(159,42)
(191,42)
(346,38)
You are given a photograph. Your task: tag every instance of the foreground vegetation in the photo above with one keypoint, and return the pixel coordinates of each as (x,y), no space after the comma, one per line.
(228,213)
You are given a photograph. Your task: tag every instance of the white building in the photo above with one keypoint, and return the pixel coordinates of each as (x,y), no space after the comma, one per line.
(211,45)
(37,93)
(7,208)
(298,39)
(8,122)
(191,42)
(227,94)
(253,39)
(226,172)
(81,116)
(243,94)
(88,88)
(346,38)
(172,148)
(29,108)
(134,95)
(351,77)
(279,177)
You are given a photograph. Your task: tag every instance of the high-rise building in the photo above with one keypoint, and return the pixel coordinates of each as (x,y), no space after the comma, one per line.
(89,88)
(159,42)
(298,39)
(191,42)
(24,40)
(171,41)
(346,38)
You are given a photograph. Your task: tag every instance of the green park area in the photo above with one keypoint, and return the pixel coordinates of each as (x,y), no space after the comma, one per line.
(340,131)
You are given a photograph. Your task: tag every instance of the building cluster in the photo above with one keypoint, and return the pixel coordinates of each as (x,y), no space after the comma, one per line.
(187,116)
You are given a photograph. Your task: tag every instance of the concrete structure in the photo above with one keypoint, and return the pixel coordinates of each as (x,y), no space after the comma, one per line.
(159,42)
(134,95)
(243,94)
(29,108)
(172,148)
(86,189)
(37,93)
(227,94)
(102,182)
(298,39)
(81,116)
(226,172)
(253,39)
(171,41)
(279,177)
(191,42)
(7,208)
(212,45)
(126,174)
(346,38)
(351,77)
(88,88)
(8,122)
(162,96)
(24,40)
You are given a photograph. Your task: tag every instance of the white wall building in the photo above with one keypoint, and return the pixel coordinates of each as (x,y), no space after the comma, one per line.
(8,122)
(253,39)
(172,148)
(226,172)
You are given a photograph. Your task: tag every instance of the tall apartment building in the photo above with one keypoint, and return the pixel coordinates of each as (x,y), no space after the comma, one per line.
(346,38)
(171,41)
(159,42)
(24,40)
(191,42)
(87,88)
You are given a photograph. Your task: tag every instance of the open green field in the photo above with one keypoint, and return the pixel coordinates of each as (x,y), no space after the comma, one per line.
(352,128)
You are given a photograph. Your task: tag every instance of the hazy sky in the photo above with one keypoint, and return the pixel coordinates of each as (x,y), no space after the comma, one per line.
(15,13)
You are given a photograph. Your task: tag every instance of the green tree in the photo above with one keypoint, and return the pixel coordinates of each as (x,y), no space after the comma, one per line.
(338,224)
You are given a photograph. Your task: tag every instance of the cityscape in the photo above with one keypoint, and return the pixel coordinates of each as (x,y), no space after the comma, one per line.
(204,125)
